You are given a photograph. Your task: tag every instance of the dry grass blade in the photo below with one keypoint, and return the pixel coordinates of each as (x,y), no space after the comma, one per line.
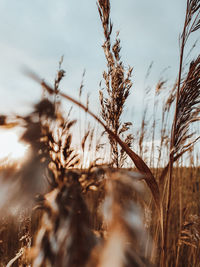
(123,221)
(190,233)
(139,163)
(18,255)
(104,12)
(192,22)
(65,229)
(187,113)
(189,237)
(117,84)
(187,99)
(188,105)
(84,140)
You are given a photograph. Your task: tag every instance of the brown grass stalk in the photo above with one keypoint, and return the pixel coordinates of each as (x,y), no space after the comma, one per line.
(191,11)
(139,163)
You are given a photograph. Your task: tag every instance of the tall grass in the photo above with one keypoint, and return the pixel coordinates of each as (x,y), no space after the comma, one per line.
(107,215)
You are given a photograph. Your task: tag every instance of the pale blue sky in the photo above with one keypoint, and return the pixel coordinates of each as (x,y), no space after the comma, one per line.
(37,33)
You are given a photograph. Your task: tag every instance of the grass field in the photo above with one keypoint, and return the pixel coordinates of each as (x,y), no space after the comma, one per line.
(138,202)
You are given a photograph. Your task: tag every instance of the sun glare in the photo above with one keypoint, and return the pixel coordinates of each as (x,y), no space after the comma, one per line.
(10,146)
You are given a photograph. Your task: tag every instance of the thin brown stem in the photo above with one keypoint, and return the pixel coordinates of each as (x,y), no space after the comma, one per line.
(173,132)
(139,163)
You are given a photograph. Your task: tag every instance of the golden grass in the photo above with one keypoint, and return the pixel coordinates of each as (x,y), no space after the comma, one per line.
(106,215)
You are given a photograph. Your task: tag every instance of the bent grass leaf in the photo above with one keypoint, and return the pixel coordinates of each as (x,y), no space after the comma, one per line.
(139,163)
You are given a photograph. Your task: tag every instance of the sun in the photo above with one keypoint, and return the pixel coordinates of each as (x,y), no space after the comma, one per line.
(10,146)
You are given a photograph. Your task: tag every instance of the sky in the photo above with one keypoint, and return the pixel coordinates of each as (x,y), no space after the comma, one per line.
(37,33)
